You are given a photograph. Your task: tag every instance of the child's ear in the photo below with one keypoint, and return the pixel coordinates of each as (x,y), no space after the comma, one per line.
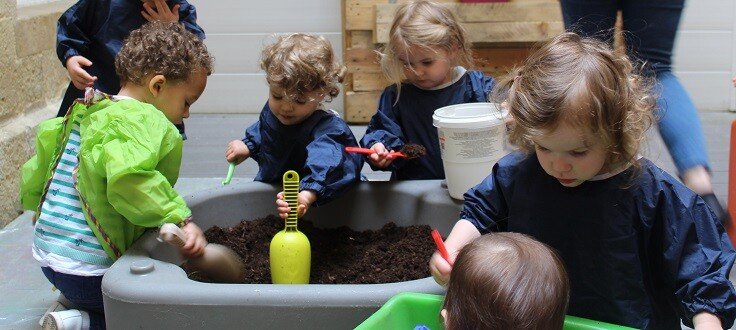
(156,84)
(443,312)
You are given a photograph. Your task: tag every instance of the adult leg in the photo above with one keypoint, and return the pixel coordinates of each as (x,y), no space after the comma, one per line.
(651,27)
(588,18)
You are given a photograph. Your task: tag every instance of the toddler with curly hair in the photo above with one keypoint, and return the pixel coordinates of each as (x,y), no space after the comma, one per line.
(105,171)
(294,130)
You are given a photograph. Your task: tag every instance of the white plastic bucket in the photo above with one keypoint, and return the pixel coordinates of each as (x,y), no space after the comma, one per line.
(472,139)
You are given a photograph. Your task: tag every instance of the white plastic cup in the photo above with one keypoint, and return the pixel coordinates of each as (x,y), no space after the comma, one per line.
(472,139)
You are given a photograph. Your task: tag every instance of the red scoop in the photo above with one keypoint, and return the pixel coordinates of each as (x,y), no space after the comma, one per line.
(366,151)
(441,246)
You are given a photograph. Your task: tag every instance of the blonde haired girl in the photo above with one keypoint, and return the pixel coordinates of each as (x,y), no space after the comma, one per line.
(425,59)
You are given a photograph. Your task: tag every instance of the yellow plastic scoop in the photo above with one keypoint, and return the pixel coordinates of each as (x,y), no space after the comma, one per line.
(291,256)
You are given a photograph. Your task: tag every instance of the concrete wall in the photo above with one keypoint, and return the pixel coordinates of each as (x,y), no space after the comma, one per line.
(30,88)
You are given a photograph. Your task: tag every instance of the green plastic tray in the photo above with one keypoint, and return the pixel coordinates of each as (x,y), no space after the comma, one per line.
(407,310)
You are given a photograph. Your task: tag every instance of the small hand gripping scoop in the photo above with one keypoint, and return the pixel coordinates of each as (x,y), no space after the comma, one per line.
(218,262)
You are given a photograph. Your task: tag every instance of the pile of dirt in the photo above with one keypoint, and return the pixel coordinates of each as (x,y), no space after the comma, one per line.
(339,255)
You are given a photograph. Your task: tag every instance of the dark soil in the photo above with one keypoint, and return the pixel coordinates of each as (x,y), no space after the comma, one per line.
(339,255)
(412,150)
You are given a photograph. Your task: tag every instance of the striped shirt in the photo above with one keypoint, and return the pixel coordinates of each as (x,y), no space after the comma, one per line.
(63,240)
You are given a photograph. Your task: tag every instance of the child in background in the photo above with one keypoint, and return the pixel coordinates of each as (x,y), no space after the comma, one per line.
(294,131)
(90,33)
(506,281)
(640,248)
(425,59)
(105,172)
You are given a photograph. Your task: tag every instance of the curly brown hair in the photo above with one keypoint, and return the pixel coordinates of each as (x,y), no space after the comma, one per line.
(301,63)
(161,48)
(584,83)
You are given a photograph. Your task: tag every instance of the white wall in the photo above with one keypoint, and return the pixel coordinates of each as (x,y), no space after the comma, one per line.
(705,53)
(237,30)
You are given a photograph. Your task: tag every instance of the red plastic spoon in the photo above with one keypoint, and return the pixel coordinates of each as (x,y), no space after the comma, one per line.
(366,151)
(441,246)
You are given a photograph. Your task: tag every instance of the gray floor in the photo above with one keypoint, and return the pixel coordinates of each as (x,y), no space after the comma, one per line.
(25,293)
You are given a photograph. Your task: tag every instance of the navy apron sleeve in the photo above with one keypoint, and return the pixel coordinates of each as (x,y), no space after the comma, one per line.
(73,30)
(485,205)
(384,125)
(698,252)
(481,85)
(253,138)
(332,171)
(188,17)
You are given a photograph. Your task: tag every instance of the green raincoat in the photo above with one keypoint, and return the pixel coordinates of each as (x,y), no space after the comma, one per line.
(129,160)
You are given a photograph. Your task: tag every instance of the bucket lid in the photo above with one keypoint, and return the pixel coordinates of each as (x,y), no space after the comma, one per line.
(468,115)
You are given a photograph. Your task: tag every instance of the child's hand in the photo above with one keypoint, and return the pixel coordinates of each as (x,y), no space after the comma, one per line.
(237,152)
(380,158)
(440,268)
(79,76)
(304,200)
(462,233)
(733,80)
(162,12)
(194,246)
(706,321)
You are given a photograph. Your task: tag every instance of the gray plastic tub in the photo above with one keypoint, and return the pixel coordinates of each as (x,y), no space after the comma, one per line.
(147,289)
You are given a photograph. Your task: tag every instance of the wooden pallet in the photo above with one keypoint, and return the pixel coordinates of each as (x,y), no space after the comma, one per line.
(502,34)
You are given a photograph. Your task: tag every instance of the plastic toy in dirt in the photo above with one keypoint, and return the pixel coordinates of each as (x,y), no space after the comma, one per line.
(218,262)
(290,252)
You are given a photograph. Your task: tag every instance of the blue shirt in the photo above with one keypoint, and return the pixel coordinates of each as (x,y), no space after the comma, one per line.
(314,148)
(96,30)
(641,251)
(410,121)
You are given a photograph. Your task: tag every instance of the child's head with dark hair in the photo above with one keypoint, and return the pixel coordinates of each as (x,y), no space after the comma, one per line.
(506,281)
(166,66)
(578,96)
(301,71)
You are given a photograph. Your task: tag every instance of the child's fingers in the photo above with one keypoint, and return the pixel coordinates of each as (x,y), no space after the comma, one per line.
(195,249)
(440,269)
(82,74)
(150,11)
(146,16)
(161,7)
(78,85)
(302,209)
(379,148)
(83,61)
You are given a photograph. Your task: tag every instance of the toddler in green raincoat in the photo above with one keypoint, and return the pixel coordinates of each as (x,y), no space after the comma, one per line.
(105,172)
